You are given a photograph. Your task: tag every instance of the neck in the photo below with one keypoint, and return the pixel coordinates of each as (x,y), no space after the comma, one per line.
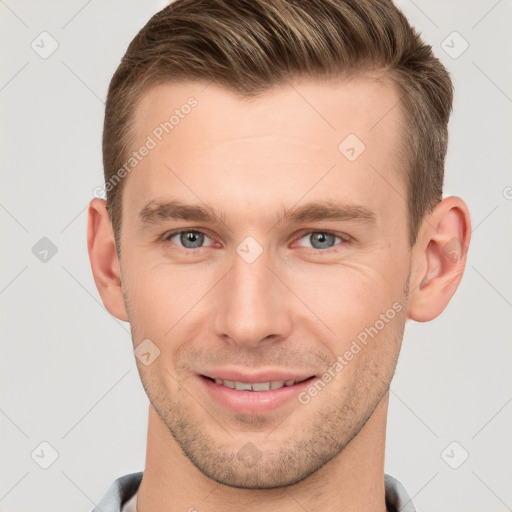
(352,480)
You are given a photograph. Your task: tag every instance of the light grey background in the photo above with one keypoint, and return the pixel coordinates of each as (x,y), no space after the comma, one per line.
(68,375)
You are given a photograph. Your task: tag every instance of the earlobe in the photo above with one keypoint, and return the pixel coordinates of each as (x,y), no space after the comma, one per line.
(439,258)
(104,260)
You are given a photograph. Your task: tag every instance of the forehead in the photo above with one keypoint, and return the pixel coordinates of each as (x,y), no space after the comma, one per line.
(304,109)
(338,138)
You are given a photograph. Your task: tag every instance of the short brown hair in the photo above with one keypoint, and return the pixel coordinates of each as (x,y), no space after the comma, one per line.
(249,46)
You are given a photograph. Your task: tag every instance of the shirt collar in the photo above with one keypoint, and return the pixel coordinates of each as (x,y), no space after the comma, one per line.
(124,487)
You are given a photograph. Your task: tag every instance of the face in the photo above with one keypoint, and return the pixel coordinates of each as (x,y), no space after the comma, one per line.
(257,239)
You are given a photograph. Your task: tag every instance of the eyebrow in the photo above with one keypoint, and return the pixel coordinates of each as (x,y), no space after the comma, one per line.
(327,210)
(156,212)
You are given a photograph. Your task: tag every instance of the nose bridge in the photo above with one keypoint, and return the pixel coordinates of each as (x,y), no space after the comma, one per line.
(251,302)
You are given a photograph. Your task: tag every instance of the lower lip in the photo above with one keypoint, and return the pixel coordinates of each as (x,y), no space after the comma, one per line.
(253,402)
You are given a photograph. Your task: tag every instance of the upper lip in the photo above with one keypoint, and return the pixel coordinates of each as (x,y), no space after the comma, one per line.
(262,376)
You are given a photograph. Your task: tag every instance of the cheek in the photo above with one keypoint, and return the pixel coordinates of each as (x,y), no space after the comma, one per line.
(348,297)
(162,294)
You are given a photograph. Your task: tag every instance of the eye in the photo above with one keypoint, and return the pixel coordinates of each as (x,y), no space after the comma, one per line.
(322,240)
(194,239)
(188,238)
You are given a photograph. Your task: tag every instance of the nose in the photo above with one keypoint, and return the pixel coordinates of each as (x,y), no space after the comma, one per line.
(253,304)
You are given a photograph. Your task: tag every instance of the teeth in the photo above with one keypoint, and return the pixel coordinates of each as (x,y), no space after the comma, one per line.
(261,386)
(242,386)
(257,386)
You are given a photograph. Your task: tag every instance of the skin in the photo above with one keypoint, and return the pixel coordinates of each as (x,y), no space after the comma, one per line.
(295,307)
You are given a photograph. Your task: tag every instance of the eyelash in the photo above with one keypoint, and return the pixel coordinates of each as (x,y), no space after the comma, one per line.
(167,239)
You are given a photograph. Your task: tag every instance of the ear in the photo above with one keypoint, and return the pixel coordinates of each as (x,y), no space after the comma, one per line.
(104,260)
(439,258)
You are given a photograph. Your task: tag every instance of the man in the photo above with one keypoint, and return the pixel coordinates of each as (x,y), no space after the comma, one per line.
(274,215)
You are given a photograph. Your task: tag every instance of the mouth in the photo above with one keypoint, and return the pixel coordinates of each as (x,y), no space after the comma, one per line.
(253,398)
(256,386)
